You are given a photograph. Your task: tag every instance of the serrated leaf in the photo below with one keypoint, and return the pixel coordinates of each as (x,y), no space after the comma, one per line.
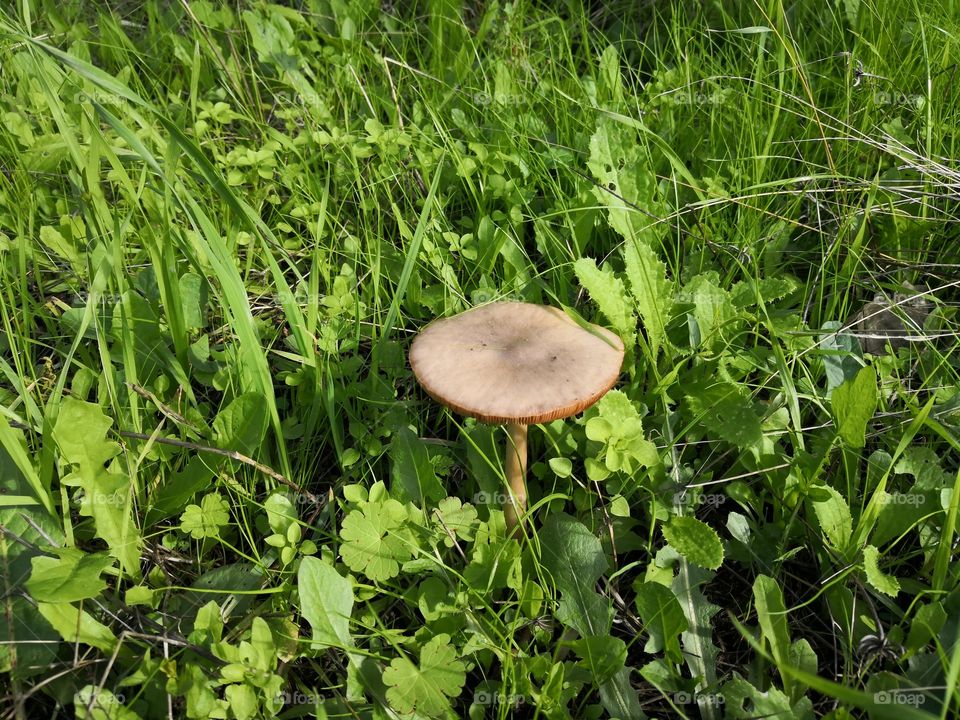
(699,651)
(326,601)
(608,292)
(80,433)
(427,687)
(713,309)
(854,403)
(651,290)
(373,543)
(625,182)
(887,584)
(751,292)
(609,77)
(695,540)
(742,701)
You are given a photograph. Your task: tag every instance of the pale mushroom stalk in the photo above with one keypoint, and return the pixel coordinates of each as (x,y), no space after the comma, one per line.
(515,463)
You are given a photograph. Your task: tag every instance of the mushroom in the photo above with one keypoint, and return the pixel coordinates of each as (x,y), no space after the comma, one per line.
(516,363)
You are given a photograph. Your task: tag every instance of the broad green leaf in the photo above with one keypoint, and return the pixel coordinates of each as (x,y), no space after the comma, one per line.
(80,433)
(695,540)
(53,239)
(925,625)
(75,625)
(425,688)
(281,512)
(192,292)
(699,650)
(887,584)
(576,560)
(28,645)
(72,576)
(833,514)
(611,297)
(562,467)
(772,615)
(603,655)
(726,412)
(240,426)
(13,449)
(841,361)
(609,78)
(434,600)
(620,698)
(326,601)
(243,701)
(854,403)
(651,290)
(662,617)
(372,543)
(411,470)
(495,560)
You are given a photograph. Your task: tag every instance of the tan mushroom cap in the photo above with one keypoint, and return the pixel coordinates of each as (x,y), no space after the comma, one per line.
(515,362)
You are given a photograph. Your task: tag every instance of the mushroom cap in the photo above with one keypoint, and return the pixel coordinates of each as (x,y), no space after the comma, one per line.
(515,362)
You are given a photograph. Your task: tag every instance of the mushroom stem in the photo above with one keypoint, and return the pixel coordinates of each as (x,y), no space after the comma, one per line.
(516,465)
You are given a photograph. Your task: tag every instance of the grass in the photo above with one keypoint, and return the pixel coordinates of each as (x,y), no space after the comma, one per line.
(223,493)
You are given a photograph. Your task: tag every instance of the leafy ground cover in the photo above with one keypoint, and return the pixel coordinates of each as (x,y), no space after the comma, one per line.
(223,494)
